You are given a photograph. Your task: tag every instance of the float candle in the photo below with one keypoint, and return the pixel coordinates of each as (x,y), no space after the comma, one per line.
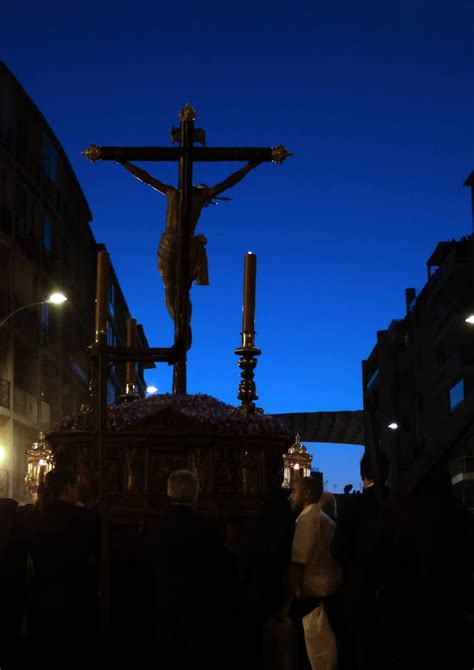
(102,293)
(250,273)
(131,342)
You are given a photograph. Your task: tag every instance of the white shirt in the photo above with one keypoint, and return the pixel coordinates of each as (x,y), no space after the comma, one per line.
(312,548)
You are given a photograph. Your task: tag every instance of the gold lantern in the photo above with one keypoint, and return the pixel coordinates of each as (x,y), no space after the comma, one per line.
(296,463)
(39,463)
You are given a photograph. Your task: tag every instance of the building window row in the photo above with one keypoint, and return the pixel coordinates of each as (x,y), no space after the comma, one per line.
(456,395)
(49,159)
(373,379)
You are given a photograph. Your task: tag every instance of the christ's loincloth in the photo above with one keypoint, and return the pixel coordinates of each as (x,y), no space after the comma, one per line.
(168,254)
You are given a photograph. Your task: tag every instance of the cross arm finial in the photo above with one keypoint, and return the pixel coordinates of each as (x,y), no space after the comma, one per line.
(279,154)
(93,153)
(188,113)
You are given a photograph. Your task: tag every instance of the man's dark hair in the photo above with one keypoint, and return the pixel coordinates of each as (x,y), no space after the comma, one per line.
(367,471)
(54,484)
(314,485)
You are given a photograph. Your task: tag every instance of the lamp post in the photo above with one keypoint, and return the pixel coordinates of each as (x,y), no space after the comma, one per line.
(54,299)
(39,457)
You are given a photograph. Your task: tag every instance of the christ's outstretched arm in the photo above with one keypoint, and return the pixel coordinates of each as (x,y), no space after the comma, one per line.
(232,180)
(146,178)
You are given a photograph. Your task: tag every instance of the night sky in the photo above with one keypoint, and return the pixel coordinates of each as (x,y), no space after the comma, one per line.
(376,101)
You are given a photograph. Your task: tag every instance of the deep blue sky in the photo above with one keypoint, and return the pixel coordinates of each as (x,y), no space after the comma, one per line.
(376,100)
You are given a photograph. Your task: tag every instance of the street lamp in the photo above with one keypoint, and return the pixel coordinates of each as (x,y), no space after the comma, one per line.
(54,299)
(470,319)
(393,425)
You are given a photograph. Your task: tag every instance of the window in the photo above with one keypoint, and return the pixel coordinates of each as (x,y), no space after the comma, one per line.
(111,393)
(112,300)
(49,159)
(373,379)
(111,340)
(24,212)
(47,235)
(456,395)
(44,323)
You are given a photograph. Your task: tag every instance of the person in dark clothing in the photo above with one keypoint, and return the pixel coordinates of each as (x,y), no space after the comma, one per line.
(13,570)
(194,622)
(427,595)
(266,573)
(64,541)
(356,547)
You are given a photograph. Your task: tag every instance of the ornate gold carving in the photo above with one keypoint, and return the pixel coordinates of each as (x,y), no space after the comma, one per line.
(279,154)
(188,113)
(201,464)
(250,473)
(93,153)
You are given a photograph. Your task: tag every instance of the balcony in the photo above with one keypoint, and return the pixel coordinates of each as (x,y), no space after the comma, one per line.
(25,405)
(462,469)
(4,393)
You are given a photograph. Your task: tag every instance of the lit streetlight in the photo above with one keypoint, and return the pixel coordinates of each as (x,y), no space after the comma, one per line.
(470,319)
(54,299)
(393,425)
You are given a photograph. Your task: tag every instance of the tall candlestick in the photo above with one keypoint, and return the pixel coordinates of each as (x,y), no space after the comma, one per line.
(250,273)
(102,288)
(131,342)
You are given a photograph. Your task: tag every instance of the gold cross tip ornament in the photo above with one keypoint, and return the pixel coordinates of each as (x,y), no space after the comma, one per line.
(93,153)
(188,113)
(279,154)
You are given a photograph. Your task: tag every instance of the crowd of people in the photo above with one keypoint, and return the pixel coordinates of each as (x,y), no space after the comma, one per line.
(355,582)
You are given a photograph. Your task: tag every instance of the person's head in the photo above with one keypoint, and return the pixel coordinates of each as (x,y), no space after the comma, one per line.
(183,487)
(367,472)
(328,504)
(61,484)
(306,491)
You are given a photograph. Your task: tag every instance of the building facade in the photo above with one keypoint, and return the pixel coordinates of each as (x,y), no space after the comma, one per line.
(418,381)
(46,245)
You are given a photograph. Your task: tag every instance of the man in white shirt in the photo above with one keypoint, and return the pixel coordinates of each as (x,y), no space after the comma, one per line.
(314,574)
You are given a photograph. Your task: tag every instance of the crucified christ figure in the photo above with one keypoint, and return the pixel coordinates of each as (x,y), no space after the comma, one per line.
(202,196)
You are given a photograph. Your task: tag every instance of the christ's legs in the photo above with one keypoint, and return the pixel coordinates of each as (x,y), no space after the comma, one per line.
(170,298)
(170,294)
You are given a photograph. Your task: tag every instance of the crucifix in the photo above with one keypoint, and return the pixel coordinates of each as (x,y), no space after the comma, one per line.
(181,256)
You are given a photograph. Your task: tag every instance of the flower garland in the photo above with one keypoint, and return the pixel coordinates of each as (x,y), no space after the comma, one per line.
(207,411)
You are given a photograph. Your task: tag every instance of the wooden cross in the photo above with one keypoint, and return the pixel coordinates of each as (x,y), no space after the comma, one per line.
(186,154)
